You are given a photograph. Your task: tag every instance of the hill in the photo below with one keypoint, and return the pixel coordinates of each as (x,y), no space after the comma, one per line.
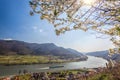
(14,47)
(105,55)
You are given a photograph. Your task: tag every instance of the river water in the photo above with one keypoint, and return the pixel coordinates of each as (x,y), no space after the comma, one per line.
(92,62)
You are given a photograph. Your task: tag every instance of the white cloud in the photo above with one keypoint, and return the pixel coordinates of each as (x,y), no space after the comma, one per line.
(40,30)
(8,39)
(35,27)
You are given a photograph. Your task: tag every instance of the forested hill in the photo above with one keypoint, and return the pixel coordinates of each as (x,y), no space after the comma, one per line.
(105,55)
(14,47)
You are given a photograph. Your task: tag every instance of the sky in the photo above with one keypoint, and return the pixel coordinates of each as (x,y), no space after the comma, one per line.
(17,24)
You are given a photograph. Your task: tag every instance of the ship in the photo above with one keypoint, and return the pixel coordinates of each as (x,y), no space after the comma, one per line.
(55,66)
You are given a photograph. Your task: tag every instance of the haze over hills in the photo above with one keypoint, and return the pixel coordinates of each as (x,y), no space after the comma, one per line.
(105,55)
(14,47)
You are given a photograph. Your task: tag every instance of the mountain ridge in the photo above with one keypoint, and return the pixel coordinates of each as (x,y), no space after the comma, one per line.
(15,47)
(105,54)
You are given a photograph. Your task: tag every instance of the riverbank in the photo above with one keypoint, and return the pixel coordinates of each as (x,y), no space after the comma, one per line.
(92,62)
(58,75)
(101,73)
(30,59)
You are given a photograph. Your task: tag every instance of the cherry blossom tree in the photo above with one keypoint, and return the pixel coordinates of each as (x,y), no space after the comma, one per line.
(102,16)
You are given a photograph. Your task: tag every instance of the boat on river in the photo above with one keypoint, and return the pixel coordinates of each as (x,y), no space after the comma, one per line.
(55,67)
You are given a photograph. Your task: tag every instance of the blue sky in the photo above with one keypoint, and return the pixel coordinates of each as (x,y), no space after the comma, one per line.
(17,24)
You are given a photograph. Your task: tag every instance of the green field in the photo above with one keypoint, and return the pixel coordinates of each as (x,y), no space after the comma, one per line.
(28,59)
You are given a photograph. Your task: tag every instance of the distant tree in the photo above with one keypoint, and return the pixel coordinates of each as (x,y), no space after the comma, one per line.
(102,16)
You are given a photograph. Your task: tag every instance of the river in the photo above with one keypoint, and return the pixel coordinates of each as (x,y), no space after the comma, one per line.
(92,62)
